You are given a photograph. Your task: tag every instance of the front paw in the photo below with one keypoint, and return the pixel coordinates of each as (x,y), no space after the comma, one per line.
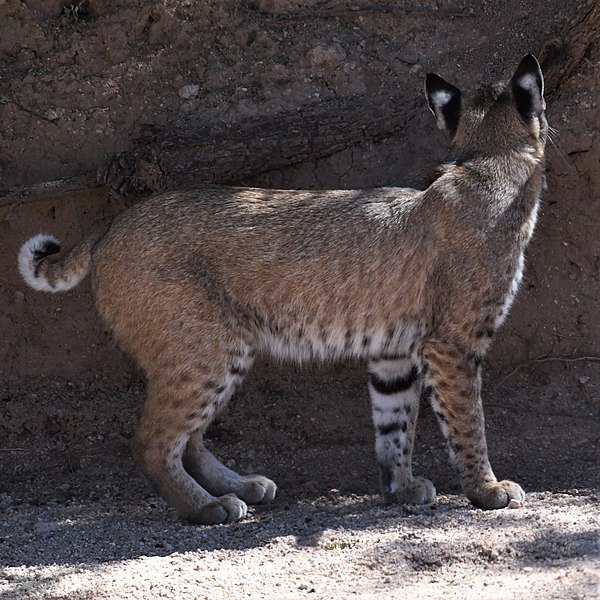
(496,495)
(417,490)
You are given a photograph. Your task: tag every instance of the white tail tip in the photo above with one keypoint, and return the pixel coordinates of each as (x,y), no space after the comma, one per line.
(32,251)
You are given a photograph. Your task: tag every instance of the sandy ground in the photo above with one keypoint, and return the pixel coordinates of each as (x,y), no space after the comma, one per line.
(335,547)
(78,521)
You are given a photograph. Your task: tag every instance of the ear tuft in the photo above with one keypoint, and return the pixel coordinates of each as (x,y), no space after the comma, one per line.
(528,88)
(445,102)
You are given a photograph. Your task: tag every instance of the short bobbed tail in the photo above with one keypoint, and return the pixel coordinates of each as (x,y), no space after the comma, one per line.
(44,275)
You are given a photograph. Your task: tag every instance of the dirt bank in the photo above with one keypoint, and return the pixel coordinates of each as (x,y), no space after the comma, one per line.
(84,82)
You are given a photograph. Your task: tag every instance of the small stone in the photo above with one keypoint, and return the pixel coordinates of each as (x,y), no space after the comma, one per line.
(579,442)
(43,527)
(188,91)
(584,379)
(491,554)
(326,56)
(5,501)
(52,115)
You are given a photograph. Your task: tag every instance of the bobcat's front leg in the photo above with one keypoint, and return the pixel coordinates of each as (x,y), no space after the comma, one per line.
(453,386)
(394,387)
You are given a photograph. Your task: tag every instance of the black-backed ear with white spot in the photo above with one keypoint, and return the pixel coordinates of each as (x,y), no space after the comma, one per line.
(528,88)
(445,102)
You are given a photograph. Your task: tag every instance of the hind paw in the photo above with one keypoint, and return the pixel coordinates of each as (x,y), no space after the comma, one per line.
(225,509)
(256,489)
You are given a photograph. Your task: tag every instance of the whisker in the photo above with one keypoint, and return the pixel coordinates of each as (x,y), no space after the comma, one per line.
(554,137)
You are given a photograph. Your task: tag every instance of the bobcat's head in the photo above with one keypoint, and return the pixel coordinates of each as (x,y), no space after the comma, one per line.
(496,119)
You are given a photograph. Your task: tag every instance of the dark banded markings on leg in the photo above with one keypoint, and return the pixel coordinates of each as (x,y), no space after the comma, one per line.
(395,385)
(393,356)
(395,390)
(392,427)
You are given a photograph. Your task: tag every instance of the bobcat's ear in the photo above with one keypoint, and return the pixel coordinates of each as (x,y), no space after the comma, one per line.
(528,88)
(445,102)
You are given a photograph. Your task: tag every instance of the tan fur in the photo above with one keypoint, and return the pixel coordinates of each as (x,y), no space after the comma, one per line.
(194,283)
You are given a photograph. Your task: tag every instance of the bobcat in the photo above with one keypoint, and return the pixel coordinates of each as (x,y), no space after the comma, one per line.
(194,283)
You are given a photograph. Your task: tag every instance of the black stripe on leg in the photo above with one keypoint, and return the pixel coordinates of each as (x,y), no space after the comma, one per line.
(389,428)
(393,356)
(396,385)
(392,427)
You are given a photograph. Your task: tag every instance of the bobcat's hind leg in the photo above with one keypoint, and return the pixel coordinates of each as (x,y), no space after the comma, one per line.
(220,480)
(192,367)
(160,441)
(208,471)
(394,387)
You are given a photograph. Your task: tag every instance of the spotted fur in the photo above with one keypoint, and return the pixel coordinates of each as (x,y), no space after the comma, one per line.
(194,284)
